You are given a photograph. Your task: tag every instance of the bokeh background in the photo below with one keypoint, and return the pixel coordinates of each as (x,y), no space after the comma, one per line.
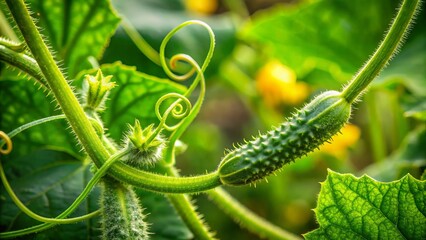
(272,57)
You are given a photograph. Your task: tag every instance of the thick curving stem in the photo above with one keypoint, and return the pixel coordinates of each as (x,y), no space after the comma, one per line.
(82,126)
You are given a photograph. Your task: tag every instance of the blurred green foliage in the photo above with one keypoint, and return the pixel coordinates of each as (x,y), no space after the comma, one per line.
(324,42)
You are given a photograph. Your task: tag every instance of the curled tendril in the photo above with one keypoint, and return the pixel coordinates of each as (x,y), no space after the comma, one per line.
(175,58)
(181,108)
(7,141)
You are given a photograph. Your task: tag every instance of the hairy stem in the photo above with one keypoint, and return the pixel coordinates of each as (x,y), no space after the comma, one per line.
(247,218)
(22,62)
(59,86)
(140,42)
(58,220)
(387,48)
(82,126)
(186,209)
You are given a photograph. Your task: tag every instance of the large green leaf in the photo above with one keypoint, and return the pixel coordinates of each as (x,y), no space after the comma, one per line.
(21,103)
(334,36)
(133,98)
(362,208)
(76,30)
(48,181)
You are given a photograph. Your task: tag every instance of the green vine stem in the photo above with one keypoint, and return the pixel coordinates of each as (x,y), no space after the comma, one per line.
(186,209)
(58,220)
(22,62)
(387,48)
(177,133)
(182,109)
(183,205)
(51,222)
(56,80)
(15,46)
(144,46)
(139,41)
(37,217)
(247,218)
(41,121)
(181,202)
(82,126)
(189,215)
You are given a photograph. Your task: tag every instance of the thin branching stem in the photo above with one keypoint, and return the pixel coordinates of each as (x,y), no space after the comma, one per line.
(386,50)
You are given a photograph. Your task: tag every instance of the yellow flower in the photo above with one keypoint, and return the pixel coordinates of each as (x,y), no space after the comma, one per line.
(202,6)
(277,85)
(340,143)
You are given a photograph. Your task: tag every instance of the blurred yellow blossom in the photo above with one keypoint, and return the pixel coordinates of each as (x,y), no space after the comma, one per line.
(202,6)
(296,213)
(277,85)
(340,143)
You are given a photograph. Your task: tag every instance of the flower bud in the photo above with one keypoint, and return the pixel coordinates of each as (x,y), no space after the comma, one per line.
(96,89)
(144,148)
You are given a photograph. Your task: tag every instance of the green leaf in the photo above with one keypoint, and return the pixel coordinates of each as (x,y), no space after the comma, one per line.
(48,181)
(334,37)
(76,30)
(362,208)
(21,103)
(133,98)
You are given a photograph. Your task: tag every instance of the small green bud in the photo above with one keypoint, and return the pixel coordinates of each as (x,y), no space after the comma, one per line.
(145,147)
(96,89)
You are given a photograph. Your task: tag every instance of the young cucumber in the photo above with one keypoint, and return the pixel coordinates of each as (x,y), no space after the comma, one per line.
(122,216)
(305,131)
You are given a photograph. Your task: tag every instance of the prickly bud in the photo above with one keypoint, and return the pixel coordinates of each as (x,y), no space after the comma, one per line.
(144,148)
(96,90)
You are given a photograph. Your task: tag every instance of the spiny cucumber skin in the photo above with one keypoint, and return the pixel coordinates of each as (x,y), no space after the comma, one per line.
(305,131)
(122,216)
